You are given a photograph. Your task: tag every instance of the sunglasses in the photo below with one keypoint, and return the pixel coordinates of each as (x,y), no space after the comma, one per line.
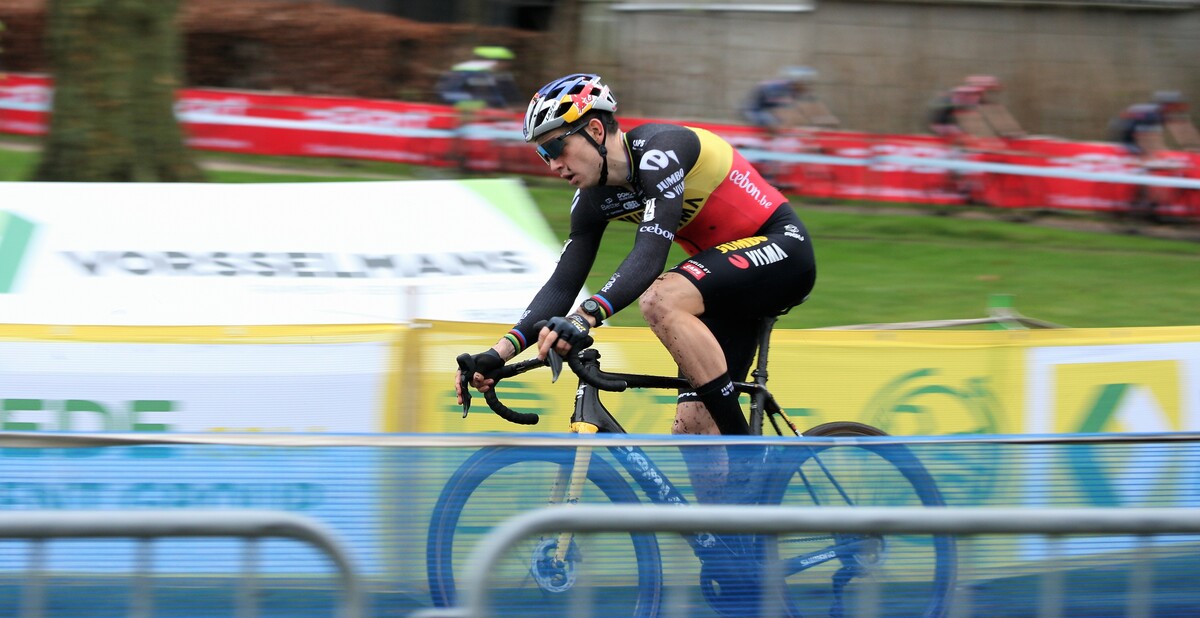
(553,148)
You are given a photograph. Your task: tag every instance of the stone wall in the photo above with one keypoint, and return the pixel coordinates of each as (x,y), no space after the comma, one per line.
(1067,69)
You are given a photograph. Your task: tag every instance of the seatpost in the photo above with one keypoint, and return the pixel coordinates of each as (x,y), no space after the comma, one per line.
(758,398)
(764,343)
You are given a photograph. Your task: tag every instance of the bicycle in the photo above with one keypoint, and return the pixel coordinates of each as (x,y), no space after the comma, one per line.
(821,575)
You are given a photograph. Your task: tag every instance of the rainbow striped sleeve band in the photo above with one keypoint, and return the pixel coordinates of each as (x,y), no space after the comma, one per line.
(515,337)
(604,305)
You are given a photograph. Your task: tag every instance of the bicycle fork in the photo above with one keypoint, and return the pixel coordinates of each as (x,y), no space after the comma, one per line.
(568,488)
(568,484)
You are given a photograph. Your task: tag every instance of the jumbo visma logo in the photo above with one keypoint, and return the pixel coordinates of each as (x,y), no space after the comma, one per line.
(15,233)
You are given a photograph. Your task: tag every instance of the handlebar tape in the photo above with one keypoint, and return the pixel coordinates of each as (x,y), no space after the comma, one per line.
(506,413)
(467,367)
(592,374)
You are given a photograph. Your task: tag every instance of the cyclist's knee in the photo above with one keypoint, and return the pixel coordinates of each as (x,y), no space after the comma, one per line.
(669,294)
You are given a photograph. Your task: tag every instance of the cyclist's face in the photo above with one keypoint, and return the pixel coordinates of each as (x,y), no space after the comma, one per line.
(554,147)
(567,155)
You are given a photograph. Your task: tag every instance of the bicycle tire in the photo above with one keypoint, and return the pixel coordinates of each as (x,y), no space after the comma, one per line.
(480,495)
(915,575)
(844,428)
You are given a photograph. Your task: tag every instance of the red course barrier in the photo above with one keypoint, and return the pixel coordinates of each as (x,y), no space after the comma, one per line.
(821,164)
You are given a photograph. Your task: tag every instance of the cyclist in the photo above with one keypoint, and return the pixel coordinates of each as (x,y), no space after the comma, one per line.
(482,82)
(750,255)
(1139,127)
(1139,130)
(994,113)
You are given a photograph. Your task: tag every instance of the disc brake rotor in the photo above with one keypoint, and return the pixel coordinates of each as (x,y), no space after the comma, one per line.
(550,574)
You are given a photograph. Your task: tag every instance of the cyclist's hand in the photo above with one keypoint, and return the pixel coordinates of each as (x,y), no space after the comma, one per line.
(563,334)
(473,369)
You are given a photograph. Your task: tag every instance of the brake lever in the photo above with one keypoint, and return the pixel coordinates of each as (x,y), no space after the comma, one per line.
(466,397)
(466,370)
(556,363)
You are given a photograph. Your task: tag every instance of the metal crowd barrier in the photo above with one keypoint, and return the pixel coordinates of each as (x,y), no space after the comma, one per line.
(476,602)
(146,526)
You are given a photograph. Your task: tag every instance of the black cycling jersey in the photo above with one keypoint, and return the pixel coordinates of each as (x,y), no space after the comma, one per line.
(1133,120)
(689,187)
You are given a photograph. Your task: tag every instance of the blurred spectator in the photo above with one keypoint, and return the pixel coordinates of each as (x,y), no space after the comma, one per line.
(485,81)
(1177,120)
(994,113)
(955,115)
(1139,128)
(787,102)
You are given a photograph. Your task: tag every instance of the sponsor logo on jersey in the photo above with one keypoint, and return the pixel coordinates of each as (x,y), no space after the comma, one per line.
(671,186)
(624,207)
(655,229)
(658,160)
(766,255)
(743,180)
(648,216)
(741,243)
(692,269)
(758,257)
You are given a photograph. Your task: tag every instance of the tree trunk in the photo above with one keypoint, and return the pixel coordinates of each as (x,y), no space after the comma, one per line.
(116,66)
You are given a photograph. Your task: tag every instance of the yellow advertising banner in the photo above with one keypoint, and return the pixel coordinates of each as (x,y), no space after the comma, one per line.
(904,382)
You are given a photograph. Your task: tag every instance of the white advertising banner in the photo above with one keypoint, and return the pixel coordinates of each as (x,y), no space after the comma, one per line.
(193,387)
(245,254)
(1135,387)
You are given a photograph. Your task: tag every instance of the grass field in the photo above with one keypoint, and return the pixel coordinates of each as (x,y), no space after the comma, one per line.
(878,263)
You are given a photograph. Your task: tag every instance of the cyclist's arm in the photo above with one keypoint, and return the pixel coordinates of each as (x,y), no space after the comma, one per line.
(661,169)
(558,293)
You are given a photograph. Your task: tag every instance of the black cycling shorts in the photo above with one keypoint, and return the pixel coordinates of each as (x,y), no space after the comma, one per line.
(745,280)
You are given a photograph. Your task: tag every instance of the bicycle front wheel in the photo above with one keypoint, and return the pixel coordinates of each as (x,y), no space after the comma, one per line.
(852,575)
(493,485)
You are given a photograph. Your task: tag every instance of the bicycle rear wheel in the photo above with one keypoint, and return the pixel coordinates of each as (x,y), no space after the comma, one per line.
(878,575)
(625,570)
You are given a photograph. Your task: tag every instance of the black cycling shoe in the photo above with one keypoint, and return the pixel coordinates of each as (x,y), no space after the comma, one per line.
(731,587)
(730,575)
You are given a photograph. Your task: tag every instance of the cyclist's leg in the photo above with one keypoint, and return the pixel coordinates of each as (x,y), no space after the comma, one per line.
(763,276)
(737,338)
(672,307)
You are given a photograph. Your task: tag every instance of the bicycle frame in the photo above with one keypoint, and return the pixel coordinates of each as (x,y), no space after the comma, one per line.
(595,418)
(591,416)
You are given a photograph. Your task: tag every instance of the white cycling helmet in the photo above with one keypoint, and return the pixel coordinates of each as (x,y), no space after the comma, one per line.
(799,74)
(564,101)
